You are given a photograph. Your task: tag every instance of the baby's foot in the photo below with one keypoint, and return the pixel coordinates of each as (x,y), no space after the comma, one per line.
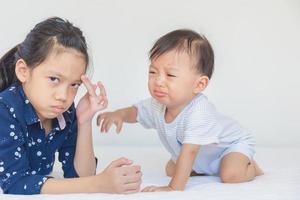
(258,170)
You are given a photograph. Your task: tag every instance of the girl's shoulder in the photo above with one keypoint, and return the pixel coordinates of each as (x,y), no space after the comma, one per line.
(11,99)
(9,94)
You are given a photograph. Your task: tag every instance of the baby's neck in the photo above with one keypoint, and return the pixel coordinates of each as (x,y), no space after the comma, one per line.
(172,113)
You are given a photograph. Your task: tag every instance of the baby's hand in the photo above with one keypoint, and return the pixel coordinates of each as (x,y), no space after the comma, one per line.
(108,118)
(157,189)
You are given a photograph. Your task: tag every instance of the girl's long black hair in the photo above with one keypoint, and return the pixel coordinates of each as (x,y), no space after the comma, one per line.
(38,44)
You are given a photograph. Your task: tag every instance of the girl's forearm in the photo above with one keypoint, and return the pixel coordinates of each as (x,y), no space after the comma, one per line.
(128,114)
(100,183)
(84,160)
(71,185)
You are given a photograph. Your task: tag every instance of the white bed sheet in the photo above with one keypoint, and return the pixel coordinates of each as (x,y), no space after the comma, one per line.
(280,181)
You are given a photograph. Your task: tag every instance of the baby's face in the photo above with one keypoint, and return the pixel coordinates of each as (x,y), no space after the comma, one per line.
(172,79)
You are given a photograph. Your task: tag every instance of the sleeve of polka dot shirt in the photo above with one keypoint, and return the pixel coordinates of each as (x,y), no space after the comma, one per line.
(67,152)
(16,176)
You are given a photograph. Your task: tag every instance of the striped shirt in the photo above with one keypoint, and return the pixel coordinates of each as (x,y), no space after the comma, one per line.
(198,123)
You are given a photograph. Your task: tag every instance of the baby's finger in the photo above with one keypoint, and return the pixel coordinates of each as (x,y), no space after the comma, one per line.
(153,189)
(119,125)
(103,125)
(108,125)
(147,189)
(100,118)
(88,85)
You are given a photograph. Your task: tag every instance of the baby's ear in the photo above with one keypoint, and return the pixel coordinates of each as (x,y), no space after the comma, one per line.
(22,70)
(200,84)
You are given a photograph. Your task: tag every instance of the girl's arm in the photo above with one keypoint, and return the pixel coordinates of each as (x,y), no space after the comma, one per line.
(118,177)
(84,159)
(89,104)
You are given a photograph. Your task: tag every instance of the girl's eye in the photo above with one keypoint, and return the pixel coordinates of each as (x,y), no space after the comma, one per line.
(53,79)
(151,72)
(75,85)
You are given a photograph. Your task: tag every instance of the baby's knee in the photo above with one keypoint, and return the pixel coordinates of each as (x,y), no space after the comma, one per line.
(231,176)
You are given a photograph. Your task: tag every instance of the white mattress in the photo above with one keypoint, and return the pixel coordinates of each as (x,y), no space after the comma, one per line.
(281,179)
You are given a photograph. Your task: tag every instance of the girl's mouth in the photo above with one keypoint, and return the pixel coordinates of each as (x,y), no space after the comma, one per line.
(58,109)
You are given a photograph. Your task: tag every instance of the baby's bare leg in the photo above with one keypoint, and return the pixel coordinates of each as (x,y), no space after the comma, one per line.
(258,170)
(236,168)
(171,166)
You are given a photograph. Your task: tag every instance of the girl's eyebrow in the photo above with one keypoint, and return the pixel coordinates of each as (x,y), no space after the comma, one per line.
(62,76)
(56,73)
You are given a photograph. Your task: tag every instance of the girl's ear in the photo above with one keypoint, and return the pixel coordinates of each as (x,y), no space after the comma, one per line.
(22,70)
(200,84)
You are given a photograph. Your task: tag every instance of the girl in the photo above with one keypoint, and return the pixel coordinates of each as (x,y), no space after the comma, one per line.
(39,79)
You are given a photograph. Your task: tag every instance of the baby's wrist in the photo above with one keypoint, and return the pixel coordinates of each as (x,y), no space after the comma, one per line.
(171,188)
(174,187)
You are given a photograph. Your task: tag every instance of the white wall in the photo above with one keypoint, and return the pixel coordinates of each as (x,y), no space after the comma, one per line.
(256,43)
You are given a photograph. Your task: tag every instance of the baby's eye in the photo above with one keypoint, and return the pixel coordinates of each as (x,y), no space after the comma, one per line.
(171,75)
(54,79)
(75,85)
(152,72)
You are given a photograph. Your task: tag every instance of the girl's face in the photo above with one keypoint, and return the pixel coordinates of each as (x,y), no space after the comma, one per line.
(52,85)
(173,80)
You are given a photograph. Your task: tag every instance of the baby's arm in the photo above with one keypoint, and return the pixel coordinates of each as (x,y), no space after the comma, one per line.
(117,117)
(184,166)
(183,170)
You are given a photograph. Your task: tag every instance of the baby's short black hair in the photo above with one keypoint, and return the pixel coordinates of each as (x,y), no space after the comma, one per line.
(196,45)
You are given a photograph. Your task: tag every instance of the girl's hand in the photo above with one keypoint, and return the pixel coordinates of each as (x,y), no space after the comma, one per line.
(90,103)
(119,177)
(108,118)
(157,189)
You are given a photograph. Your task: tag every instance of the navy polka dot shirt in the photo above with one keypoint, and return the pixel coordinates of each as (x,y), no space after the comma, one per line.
(26,152)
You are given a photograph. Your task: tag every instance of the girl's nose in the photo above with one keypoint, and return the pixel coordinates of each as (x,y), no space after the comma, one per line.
(61,94)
